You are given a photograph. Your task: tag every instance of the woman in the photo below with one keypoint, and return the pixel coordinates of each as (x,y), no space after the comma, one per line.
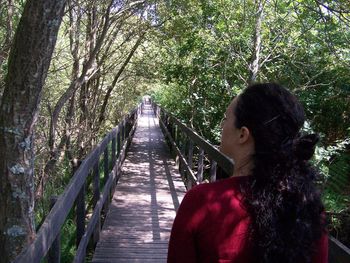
(269,210)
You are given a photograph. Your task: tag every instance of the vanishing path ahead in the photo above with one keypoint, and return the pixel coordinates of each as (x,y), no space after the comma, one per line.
(149,191)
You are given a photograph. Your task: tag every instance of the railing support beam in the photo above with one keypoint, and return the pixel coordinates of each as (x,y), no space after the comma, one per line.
(54,255)
(96,197)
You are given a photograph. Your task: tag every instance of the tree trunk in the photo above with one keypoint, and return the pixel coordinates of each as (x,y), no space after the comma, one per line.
(55,150)
(254,65)
(115,80)
(29,61)
(83,78)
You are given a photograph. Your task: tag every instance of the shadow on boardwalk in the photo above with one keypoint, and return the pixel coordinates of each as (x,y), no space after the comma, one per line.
(138,225)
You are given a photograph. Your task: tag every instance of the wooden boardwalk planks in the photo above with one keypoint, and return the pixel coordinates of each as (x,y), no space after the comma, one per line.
(138,224)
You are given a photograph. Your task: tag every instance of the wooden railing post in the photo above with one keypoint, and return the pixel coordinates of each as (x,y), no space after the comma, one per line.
(127,125)
(114,157)
(95,198)
(134,120)
(163,118)
(161,114)
(177,135)
(80,214)
(179,161)
(190,162)
(200,166)
(171,131)
(106,175)
(136,116)
(213,166)
(123,131)
(176,140)
(168,128)
(118,142)
(114,160)
(54,254)
(166,120)
(185,155)
(105,165)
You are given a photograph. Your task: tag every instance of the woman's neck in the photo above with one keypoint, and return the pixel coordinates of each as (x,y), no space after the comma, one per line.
(243,167)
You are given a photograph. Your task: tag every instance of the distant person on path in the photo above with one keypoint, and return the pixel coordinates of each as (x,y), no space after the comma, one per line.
(269,210)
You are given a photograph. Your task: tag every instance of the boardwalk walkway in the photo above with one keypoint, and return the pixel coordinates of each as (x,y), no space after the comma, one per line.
(137,227)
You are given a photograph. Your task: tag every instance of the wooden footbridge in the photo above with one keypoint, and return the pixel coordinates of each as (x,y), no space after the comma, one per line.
(134,186)
(138,224)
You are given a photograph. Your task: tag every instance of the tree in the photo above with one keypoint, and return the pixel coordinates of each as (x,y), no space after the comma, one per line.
(254,65)
(213,49)
(28,64)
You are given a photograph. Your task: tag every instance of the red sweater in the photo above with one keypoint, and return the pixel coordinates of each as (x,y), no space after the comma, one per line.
(212,225)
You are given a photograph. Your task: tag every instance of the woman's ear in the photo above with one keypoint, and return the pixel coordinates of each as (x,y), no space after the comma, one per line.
(244,134)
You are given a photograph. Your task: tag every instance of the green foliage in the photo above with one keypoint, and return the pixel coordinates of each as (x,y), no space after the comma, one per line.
(195,57)
(207,48)
(334,163)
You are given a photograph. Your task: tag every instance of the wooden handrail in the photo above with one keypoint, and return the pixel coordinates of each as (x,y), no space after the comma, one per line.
(167,121)
(192,177)
(225,163)
(55,219)
(338,252)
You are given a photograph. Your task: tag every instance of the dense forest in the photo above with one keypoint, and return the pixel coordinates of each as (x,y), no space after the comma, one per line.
(191,56)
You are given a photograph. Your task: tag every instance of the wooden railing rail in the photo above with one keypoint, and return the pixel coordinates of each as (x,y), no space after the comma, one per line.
(185,142)
(75,193)
(179,136)
(338,252)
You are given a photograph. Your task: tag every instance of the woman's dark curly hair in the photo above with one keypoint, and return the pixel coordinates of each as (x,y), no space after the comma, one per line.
(281,198)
